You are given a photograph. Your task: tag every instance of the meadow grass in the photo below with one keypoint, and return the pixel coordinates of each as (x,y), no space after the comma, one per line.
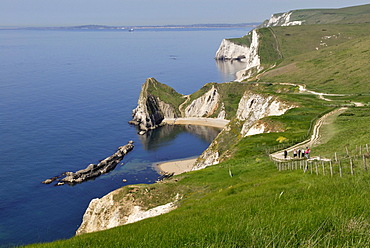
(326,58)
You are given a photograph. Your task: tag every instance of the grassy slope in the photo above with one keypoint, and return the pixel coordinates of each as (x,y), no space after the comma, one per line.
(340,65)
(356,14)
(257,207)
(165,93)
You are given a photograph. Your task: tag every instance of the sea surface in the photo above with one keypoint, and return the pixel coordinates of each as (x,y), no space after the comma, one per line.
(66,97)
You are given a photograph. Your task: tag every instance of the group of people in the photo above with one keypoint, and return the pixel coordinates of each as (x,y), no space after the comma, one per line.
(299,153)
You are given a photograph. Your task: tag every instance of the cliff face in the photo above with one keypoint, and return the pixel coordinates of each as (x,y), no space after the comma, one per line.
(205,105)
(253,60)
(108,212)
(151,110)
(228,50)
(252,107)
(281,19)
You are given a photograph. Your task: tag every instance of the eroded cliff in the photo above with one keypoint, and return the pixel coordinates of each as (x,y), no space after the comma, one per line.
(121,207)
(251,109)
(158,102)
(151,109)
(248,53)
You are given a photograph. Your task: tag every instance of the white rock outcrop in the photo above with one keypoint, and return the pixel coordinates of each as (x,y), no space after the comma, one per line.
(281,19)
(228,50)
(253,107)
(253,60)
(256,128)
(106,213)
(205,105)
(207,158)
(248,54)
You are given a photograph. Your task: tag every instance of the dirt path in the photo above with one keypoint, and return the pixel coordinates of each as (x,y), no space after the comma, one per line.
(312,141)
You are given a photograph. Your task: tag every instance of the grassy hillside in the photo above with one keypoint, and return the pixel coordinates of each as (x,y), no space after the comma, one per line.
(246,201)
(350,15)
(327,58)
(257,207)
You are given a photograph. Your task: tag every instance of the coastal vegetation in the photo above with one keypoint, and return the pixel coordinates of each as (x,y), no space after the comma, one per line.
(245,201)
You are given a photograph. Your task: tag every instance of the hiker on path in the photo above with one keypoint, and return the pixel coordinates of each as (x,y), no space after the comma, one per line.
(302,153)
(299,153)
(295,153)
(285,154)
(308,150)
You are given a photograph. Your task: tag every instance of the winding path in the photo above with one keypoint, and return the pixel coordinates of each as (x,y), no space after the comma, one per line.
(312,141)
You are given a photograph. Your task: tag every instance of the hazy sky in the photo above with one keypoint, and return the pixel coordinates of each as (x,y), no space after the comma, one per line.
(150,12)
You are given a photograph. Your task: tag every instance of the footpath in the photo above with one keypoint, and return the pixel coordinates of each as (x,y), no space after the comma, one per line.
(312,141)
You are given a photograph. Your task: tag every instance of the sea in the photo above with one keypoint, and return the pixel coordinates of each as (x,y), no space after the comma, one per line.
(66,97)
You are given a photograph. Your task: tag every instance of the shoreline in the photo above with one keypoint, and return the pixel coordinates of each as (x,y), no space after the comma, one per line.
(177,166)
(197,121)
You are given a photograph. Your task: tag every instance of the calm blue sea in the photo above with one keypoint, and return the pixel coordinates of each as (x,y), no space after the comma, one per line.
(65,100)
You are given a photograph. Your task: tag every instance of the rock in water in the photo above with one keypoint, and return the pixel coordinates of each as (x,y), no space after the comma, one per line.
(95,170)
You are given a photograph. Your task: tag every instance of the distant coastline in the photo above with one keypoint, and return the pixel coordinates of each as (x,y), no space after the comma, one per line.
(127,28)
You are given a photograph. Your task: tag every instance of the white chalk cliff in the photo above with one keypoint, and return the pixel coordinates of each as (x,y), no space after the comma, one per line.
(106,213)
(205,105)
(253,60)
(282,19)
(252,107)
(248,54)
(228,50)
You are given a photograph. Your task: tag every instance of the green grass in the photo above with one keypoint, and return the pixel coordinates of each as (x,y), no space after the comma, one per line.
(351,130)
(259,206)
(356,14)
(243,41)
(165,93)
(339,66)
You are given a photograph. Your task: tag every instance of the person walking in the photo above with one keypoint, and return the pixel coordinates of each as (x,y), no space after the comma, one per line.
(308,150)
(285,154)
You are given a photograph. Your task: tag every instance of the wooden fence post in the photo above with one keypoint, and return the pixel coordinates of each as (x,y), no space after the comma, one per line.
(317,169)
(367,148)
(364,159)
(323,167)
(351,162)
(331,169)
(347,151)
(335,156)
(340,168)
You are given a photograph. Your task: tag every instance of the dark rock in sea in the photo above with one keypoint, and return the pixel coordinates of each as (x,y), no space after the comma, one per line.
(94,170)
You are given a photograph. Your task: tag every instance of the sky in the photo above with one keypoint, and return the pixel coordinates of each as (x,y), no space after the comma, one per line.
(151,12)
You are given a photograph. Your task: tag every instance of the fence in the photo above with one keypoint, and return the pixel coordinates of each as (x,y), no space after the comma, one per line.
(347,165)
